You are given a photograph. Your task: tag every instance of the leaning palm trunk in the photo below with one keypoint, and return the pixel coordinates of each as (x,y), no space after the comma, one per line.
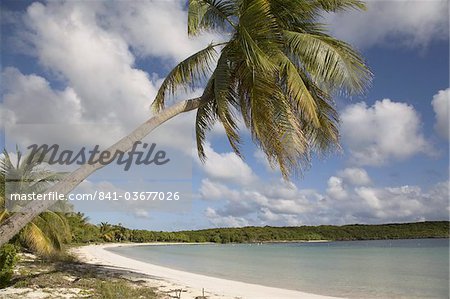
(10,227)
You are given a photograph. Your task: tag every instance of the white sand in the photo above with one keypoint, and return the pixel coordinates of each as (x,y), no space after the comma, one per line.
(168,280)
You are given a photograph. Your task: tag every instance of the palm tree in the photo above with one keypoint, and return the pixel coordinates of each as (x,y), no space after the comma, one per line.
(46,233)
(107,232)
(278,71)
(81,230)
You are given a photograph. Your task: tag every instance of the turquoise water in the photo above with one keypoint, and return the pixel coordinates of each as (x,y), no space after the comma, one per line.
(357,269)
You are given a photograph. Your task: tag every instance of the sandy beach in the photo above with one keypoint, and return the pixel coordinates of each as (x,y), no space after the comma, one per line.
(169,280)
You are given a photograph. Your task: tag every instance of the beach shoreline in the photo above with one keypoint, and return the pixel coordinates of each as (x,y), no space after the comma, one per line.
(167,279)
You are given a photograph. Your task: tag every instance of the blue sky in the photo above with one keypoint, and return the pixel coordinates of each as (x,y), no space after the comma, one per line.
(100,63)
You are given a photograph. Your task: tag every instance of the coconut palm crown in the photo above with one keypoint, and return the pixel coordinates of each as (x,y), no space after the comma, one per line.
(46,233)
(278,72)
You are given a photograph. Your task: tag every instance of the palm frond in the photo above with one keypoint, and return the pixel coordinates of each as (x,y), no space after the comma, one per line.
(258,35)
(34,238)
(56,227)
(340,5)
(255,57)
(297,90)
(196,10)
(289,13)
(206,117)
(217,103)
(331,63)
(226,99)
(209,15)
(3,215)
(270,120)
(188,72)
(325,137)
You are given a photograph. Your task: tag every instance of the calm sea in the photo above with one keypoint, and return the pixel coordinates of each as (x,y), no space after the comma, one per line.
(359,269)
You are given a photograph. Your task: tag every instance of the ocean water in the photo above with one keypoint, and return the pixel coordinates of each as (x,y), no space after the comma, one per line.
(358,269)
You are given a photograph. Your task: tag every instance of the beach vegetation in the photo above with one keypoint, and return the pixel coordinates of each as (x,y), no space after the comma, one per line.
(428,229)
(8,258)
(47,232)
(72,279)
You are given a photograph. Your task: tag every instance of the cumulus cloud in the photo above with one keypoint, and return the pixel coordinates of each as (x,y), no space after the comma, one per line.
(387,130)
(91,76)
(88,53)
(24,96)
(210,190)
(341,204)
(33,112)
(440,105)
(226,167)
(94,68)
(404,203)
(256,202)
(357,202)
(154,28)
(392,23)
(227,221)
(355,176)
(336,188)
(96,63)
(278,203)
(337,185)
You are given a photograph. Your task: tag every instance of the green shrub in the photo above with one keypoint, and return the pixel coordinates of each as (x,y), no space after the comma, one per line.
(8,258)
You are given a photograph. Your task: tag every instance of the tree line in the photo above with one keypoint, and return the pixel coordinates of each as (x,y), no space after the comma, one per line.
(85,232)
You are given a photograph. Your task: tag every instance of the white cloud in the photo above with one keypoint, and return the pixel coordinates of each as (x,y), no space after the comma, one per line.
(336,189)
(399,203)
(210,190)
(30,104)
(268,216)
(141,213)
(338,186)
(393,23)
(34,112)
(278,203)
(27,95)
(227,221)
(96,63)
(226,167)
(440,105)
(389,204)
(355,176)
(93,68)
(368,196)
(154,28)
(387,130)
(346,201)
